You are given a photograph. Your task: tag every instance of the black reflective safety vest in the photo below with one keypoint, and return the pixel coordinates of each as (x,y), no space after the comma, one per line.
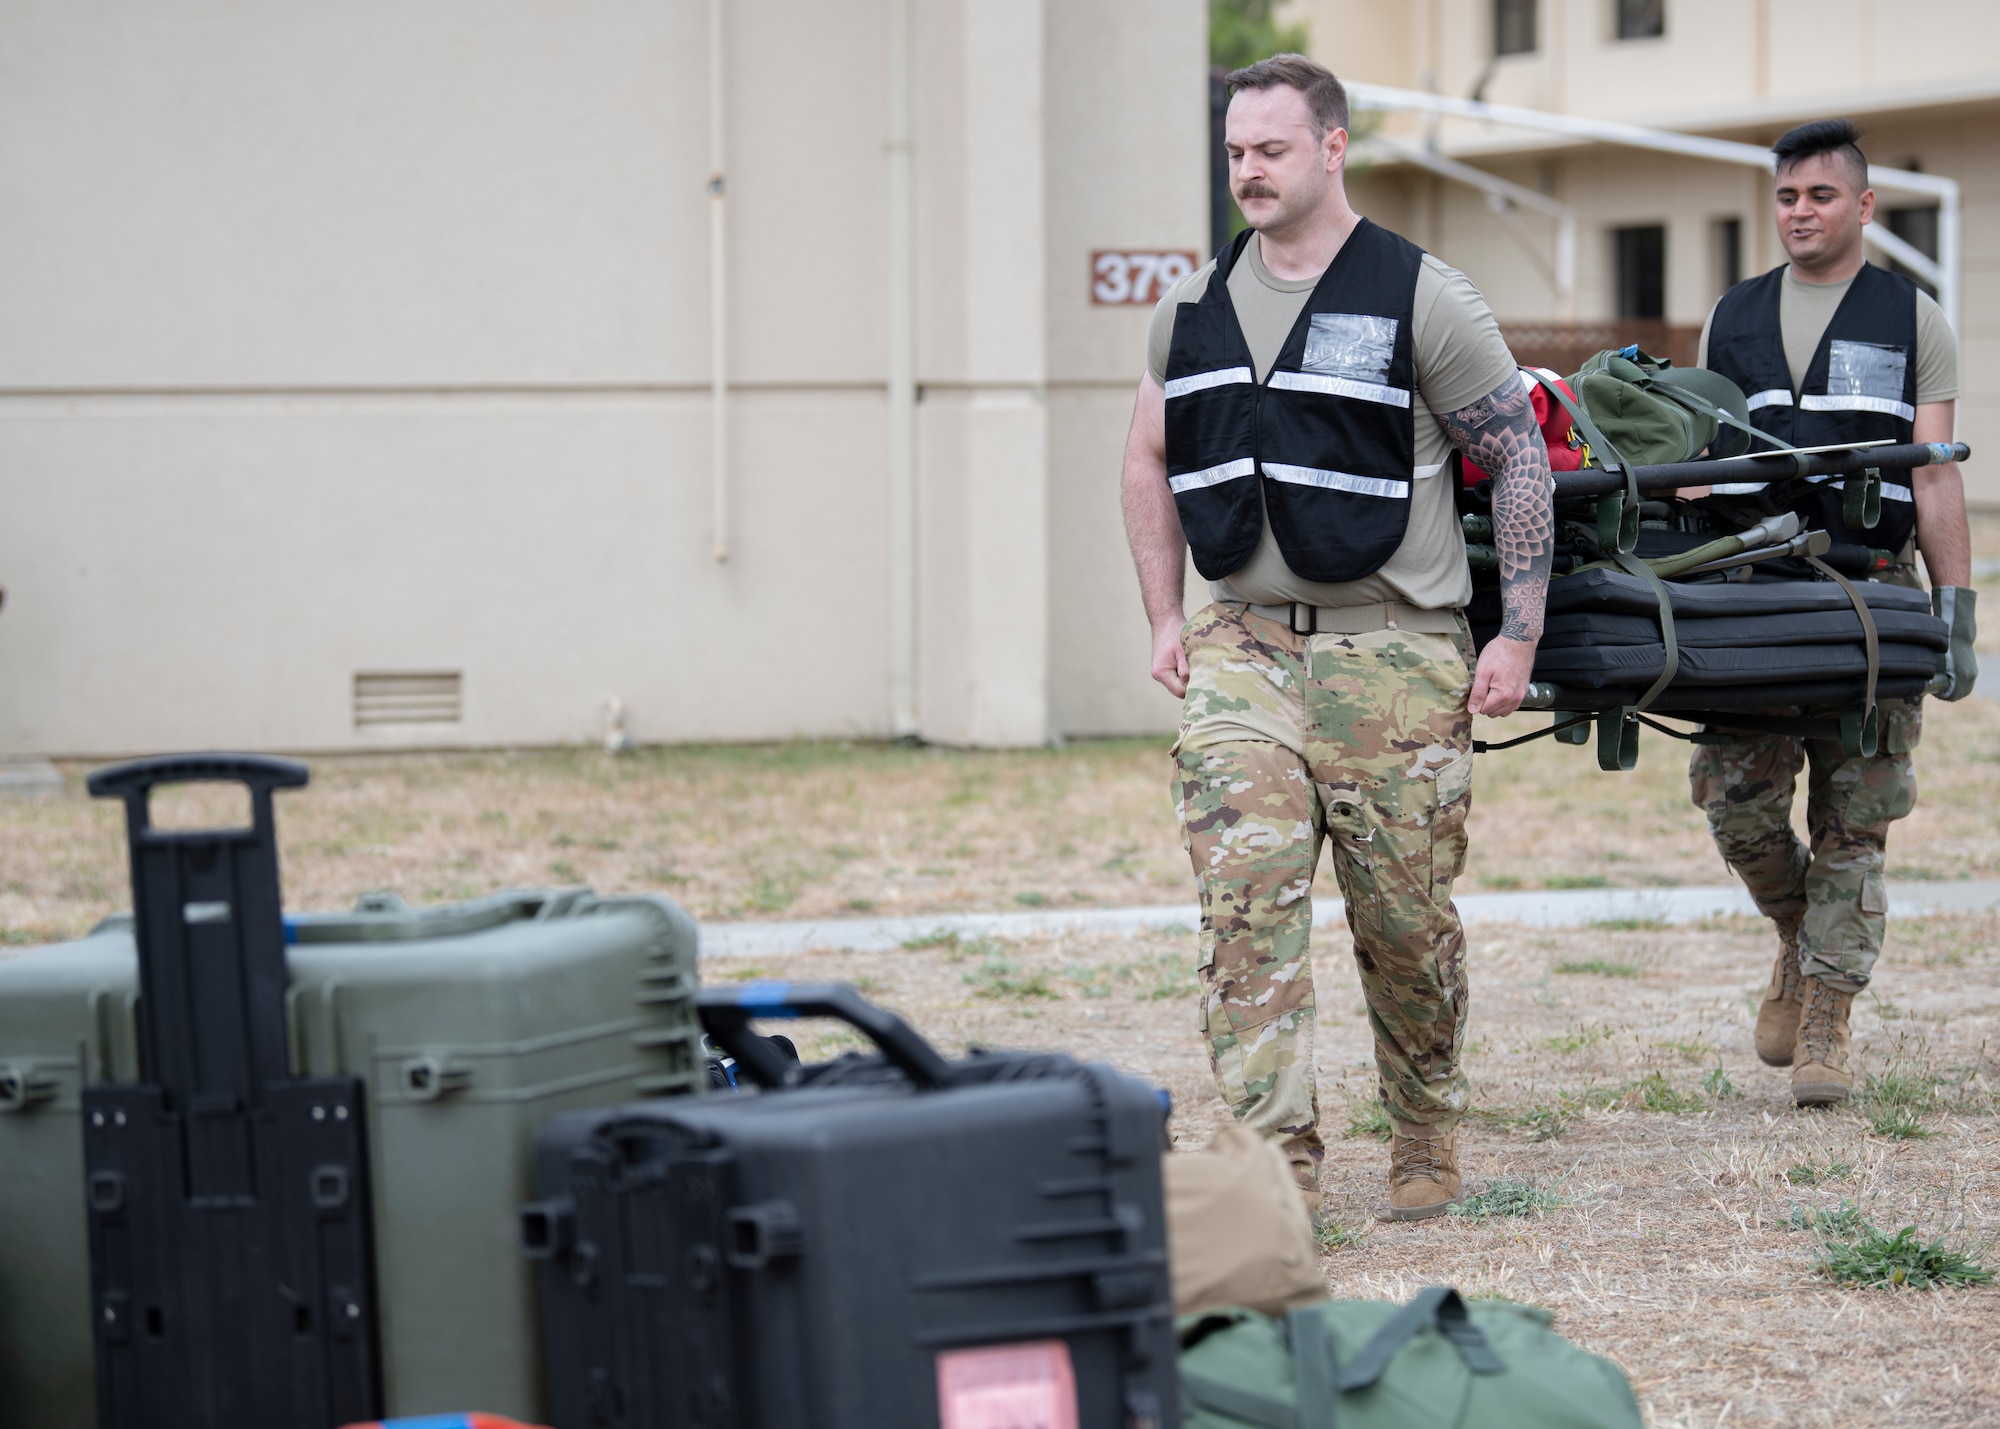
(1861,386)
(1325,444)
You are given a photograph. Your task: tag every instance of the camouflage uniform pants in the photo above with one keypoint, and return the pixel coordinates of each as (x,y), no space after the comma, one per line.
(1288,741)
(1833,888)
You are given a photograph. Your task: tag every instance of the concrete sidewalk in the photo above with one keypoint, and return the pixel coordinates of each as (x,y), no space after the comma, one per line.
(1550,908)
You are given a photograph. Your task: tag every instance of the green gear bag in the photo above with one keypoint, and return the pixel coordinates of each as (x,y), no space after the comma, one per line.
(1641,412)
(1434,1363)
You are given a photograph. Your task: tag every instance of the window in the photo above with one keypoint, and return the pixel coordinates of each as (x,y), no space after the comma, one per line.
(1725,238)
(1514,27)
(1640,19)
(1640,255)
(1917,227)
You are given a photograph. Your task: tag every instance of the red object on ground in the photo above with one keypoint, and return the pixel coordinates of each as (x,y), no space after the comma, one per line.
(1564,441)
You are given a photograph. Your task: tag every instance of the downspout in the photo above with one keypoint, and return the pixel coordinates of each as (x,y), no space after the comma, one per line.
(718,295)
(901,447)
(1566,267)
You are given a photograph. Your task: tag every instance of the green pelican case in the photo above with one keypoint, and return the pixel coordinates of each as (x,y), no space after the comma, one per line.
(470,1025)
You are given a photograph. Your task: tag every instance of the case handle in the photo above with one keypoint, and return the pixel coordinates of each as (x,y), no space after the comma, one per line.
(134,780)
(727,1012)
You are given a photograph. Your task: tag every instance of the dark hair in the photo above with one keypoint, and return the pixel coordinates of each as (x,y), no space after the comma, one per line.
(1325,96)
(1839,137)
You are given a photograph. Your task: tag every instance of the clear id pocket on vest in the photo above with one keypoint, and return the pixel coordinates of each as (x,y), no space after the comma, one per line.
(1866,369)
(1356,346)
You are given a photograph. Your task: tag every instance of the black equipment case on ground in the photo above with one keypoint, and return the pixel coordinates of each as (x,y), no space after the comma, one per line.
(860,1243)
(231,1254)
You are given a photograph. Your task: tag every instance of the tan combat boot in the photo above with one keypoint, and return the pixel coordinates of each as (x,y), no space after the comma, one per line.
(1423,1171)
(1305,1175)
(1784,1002)
(1822,1075)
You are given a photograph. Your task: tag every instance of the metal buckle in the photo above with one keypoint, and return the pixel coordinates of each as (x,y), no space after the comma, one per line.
(1312,619)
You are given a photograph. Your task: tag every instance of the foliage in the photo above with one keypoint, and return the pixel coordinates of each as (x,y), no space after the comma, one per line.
(1581,1038)
(1818,1173)
(1000,976)
(1369,1118)
(1509,1198)
(1543,1122)
(1718,1085)
(1241,32)
(1653,1092)
(1600,967)
(1171,978)
(1878,1260)
(1897,1099)
(1338,1235)
(1842,1220)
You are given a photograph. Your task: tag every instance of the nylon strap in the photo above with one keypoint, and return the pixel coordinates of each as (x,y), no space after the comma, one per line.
(1315,1375)
(1438,1308)
(1634,566)
(1687,399)
(1868,637)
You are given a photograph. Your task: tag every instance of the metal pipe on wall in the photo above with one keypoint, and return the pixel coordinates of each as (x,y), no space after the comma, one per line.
(901,449)
(718,294)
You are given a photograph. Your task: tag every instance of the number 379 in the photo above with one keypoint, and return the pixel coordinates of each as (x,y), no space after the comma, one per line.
(1136,275)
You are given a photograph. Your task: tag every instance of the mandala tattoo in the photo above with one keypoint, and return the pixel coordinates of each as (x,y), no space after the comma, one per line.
(1499,433)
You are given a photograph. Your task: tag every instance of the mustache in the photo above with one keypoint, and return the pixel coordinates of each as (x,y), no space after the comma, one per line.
(1255,190)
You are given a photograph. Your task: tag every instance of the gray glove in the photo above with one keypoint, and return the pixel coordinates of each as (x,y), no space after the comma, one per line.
(1957,667)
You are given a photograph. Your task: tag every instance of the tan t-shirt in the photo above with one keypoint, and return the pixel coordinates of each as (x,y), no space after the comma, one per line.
(1805,309)
(1460,357)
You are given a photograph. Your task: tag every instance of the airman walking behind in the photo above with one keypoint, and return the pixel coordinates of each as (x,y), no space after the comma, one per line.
(1831,349)
(1295,428)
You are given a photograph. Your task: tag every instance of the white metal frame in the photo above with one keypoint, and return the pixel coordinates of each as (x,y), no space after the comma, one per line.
(1946,272)
(1503,197)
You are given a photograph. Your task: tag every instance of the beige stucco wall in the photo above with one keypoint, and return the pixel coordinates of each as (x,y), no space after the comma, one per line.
(375,337)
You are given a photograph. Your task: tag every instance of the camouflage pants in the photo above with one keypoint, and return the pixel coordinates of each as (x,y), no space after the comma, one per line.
(1288,741)
(1833,889)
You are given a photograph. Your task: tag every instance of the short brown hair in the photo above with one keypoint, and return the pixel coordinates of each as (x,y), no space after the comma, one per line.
(1325,96)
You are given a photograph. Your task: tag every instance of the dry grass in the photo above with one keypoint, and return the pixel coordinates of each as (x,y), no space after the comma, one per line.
(825,830)
(819,830)
(1664,1237)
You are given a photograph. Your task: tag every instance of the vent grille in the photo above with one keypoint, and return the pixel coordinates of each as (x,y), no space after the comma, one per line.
(407,697)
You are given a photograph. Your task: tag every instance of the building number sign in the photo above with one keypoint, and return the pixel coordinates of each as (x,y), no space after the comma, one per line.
(1137,275)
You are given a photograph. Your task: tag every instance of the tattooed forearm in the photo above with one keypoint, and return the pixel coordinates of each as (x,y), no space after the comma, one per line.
(1499,433)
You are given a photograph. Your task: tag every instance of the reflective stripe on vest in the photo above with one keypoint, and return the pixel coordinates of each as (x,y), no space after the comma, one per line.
(1337,481)
(1855,402)
(1214,475)
(1340,387)
(1202,381)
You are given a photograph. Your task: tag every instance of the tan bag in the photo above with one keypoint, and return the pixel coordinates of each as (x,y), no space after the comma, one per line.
(1237,1229)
